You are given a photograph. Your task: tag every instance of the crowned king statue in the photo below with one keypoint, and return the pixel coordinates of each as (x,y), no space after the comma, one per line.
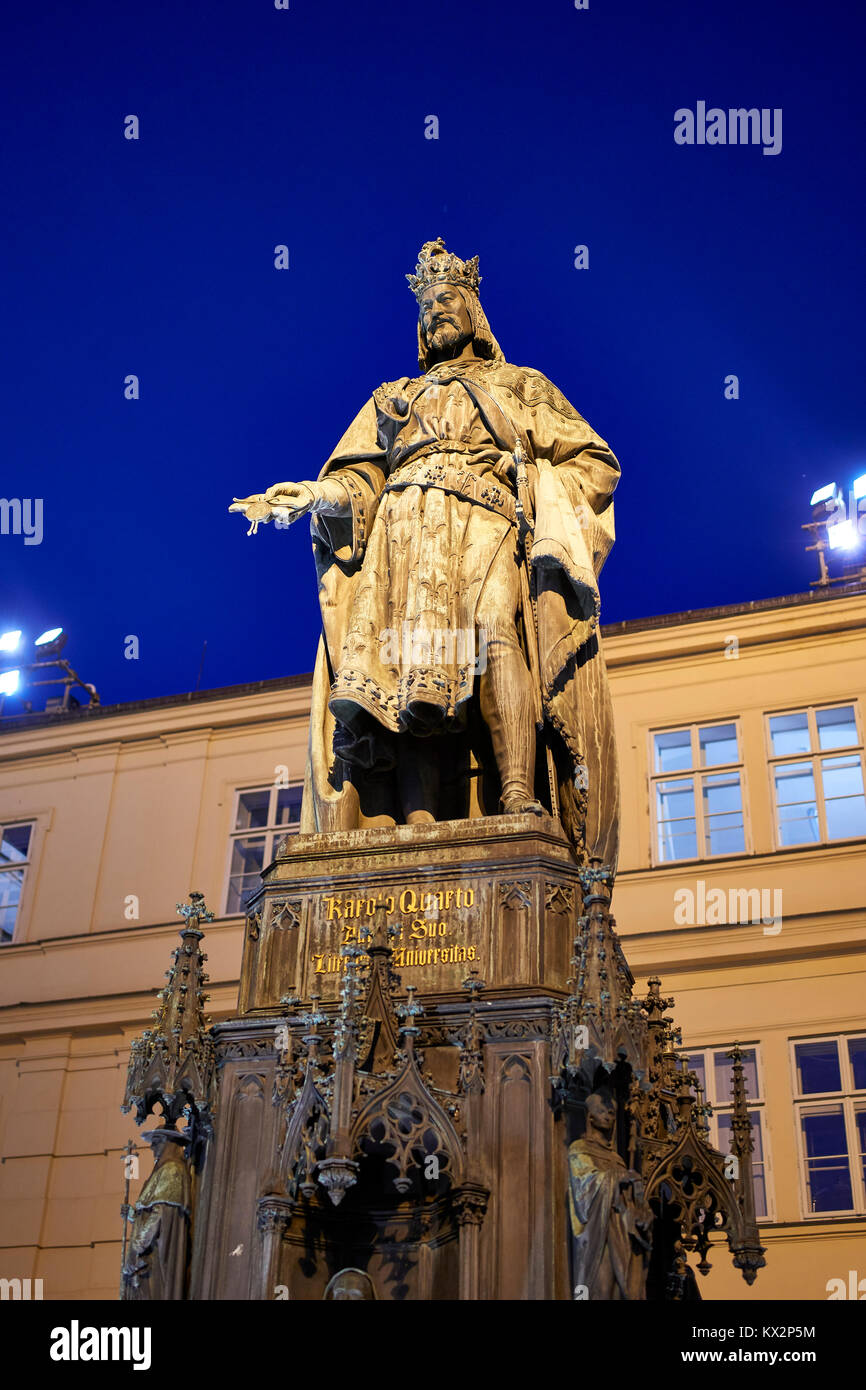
(458,531)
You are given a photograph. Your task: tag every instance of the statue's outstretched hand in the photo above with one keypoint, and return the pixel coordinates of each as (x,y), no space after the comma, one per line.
(285,500)
(254,508)
(328,497)
(293,498)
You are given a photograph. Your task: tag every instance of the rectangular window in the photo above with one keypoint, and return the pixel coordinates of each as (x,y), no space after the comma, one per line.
(818,798)
(830,1102)
(697,793)
(263,817)
(713,1068)
(15,847)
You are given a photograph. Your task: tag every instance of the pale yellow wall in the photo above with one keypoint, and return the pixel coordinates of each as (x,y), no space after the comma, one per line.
(141,803)
(735,982)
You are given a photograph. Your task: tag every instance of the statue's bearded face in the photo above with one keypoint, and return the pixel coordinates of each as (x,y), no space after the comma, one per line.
(602,1111)
(445,321)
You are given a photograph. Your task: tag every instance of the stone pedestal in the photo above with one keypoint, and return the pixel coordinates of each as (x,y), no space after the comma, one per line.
(499,897)
(495,896)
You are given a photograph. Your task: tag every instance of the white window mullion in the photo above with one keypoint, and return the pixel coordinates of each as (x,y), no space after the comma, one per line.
(818,778)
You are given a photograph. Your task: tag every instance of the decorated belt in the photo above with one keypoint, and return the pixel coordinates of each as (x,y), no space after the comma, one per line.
(446,474)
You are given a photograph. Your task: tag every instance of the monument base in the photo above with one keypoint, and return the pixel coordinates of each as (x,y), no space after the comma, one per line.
(496,896)
(483,1210)
(440,1085)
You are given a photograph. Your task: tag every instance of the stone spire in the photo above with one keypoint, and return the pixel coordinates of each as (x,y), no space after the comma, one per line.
(172,1063)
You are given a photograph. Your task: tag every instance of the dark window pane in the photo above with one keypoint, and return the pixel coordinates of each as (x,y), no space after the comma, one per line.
(789,734)
(857,1058)
(828,1173)
(253,810)
(248,856)
(837,728)
(860,1119)
(718,745)
(289,805)
(673,751)
(818,1067)
(241,889)
(15,844)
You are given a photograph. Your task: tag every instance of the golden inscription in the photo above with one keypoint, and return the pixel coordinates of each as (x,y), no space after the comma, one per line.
(346,907)
(421,941)
(327,963)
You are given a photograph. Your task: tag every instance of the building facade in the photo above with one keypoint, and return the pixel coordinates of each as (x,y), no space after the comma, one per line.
(742,883)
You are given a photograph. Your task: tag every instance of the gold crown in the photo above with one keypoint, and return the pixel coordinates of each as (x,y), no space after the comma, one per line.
(436,264)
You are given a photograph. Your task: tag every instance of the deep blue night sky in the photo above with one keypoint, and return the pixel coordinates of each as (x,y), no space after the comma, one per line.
(306,127)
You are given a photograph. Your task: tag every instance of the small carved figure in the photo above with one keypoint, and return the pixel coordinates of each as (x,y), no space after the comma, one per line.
(611,1221)
(352,1284)
(156,1263)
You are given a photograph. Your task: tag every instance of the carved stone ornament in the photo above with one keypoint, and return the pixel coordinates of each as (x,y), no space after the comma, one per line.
(558,897)
(516,896)
(286,915)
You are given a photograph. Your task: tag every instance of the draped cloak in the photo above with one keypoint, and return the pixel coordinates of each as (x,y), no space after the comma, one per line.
(428,468)
(610,1222)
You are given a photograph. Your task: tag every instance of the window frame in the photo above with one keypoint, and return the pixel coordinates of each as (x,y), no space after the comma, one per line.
(271,832)
(26,865)
(848,1097)
(813,757)
(758,1103)
(697,773)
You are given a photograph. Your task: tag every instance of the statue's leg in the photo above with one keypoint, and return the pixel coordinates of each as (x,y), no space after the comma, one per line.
(419,769)
(505,687)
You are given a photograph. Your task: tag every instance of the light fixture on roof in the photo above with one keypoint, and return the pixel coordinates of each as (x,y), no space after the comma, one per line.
(827,502)
(823,494)
(835,527)
(9,681)
(46,667)
(51,642)
(842,535)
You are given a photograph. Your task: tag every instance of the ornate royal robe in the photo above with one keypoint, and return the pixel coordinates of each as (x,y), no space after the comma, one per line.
(430,478)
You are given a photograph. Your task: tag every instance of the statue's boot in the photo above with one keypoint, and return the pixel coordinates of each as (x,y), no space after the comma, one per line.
(505,691)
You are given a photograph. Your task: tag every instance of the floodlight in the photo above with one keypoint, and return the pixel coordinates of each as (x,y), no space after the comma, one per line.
(9,682)
(858,487)
(826,503)
(823,494)
(842,536)
(52,641)
(9,640)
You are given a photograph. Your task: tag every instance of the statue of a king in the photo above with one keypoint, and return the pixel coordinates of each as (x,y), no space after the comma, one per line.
(458,530)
